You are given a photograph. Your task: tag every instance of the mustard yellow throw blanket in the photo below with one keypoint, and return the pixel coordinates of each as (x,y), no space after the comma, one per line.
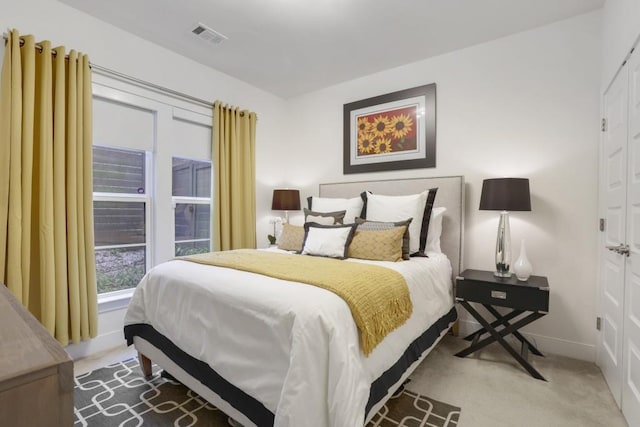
(377,296)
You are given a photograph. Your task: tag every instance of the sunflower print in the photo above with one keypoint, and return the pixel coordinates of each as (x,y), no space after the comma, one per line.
(364,125)
(365,143)
(400,125)
(382,145)
(381,126)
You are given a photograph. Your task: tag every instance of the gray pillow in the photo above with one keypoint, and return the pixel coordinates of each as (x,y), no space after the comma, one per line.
(364,224)
(324,218)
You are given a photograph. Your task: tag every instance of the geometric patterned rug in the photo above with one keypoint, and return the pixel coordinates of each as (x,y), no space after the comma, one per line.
(118,395)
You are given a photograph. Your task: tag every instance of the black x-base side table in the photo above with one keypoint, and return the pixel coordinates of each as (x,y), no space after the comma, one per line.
(484,288)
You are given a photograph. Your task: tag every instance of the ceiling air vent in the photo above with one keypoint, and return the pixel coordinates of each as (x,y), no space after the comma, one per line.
(208,34)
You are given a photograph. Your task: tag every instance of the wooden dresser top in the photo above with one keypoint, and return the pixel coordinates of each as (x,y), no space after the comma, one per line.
(26,348)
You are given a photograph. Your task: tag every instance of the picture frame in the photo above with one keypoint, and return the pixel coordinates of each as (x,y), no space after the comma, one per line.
(394,131)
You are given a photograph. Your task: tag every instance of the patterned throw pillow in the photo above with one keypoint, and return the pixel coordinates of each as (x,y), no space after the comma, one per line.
(324,218)
(366,225)
(291,238)
(381,245)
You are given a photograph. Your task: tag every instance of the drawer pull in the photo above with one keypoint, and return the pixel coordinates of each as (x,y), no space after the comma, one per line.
(498,295)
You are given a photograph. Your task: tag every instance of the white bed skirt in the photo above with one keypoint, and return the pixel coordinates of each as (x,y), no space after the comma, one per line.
(436,332)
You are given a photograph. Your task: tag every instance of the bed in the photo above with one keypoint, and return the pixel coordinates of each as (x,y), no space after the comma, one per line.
(267,351)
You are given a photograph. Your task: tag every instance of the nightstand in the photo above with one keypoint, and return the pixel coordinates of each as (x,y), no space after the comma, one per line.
(484,288)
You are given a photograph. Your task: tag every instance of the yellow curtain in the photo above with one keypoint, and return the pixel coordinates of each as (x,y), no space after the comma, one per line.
(46,210)
(234,134)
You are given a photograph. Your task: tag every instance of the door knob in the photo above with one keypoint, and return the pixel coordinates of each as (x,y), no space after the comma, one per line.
(625,250)
(620,249)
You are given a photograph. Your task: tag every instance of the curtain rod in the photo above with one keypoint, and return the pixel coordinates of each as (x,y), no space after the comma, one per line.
(112,73)
(37,45)
(162,89)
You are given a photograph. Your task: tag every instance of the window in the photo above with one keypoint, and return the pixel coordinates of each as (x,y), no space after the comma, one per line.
(191,182)
(140,136)
(121,215)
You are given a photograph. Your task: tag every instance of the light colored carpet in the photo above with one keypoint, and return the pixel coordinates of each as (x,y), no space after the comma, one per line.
(494,390)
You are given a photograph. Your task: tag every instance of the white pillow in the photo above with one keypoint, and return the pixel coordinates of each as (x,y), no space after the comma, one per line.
(328,241)
(327,204)
(399,208)
(435,230)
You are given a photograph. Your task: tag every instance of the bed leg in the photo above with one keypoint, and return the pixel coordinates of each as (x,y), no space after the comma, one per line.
(145,364)
(455,328)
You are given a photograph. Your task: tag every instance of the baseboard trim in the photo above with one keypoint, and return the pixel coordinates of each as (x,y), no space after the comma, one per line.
(98,344)
(546,344)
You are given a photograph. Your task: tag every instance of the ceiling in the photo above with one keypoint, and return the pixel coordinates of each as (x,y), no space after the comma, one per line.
(290,47)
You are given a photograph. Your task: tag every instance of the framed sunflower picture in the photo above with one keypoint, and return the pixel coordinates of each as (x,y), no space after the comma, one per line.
(391,132)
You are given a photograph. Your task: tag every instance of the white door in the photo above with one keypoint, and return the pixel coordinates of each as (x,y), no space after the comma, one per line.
(612,269)
(631,346)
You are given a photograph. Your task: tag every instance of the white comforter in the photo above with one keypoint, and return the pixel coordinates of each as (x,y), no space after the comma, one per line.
(293,347)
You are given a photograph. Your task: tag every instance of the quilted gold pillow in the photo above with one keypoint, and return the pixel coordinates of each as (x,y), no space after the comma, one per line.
(291,238)
(379,245)
(365,225)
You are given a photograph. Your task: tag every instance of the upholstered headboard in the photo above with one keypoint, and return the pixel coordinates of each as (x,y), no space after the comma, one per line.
(450,195)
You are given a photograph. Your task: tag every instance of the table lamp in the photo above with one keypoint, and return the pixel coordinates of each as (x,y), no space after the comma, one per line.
(504,194)
(286,200)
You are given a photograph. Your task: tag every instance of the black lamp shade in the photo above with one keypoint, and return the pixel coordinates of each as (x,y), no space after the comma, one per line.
(505,194)
(285,200)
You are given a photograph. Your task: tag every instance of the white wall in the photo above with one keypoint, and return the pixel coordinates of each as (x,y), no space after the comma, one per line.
(525,105)
(620,31)
(118,50)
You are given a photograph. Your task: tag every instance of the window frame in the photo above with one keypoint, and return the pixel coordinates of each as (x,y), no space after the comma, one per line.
(145,198)
(176,200)
(166,110)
